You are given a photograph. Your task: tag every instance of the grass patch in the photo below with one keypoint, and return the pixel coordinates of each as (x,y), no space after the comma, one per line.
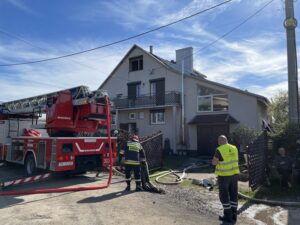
(174,162)
(188,184)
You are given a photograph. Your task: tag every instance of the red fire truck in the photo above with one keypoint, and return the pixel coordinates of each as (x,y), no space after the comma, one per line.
(71,139)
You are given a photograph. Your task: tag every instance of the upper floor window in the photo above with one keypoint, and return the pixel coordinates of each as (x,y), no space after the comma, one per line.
(134,90)
(136,63)
(211,100)
(152,89)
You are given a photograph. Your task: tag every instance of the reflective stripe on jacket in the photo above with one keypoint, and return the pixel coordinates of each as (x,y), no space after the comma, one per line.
(133,153)
(230,164)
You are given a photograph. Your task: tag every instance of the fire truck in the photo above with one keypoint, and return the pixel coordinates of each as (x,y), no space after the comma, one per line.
(68,138)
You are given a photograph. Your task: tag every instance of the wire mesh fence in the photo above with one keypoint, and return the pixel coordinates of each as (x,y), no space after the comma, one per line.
(152,144)
(257,161)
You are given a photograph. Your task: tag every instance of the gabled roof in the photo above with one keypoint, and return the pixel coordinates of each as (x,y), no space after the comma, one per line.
(171,65)
(165,63)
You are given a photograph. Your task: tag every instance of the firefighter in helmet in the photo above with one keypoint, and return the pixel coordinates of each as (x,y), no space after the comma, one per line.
(133,154)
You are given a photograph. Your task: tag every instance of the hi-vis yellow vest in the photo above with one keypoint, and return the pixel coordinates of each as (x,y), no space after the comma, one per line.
(230,164)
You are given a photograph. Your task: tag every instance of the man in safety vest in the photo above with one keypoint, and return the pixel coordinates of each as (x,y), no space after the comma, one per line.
(133,153)
(227,168)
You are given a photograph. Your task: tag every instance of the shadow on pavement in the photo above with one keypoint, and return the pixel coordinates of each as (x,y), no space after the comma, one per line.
(9,172)
(105,197)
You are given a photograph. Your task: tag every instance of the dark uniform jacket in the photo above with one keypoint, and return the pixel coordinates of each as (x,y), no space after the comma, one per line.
(133,153)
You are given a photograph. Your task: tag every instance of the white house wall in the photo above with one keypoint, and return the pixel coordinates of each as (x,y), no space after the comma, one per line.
(145,128)
(242,107)
(117,84)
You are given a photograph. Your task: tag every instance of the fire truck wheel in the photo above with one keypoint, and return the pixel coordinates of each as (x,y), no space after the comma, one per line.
(30,167)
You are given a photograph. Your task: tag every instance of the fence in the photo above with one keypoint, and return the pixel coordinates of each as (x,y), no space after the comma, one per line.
(257,161)
(152,146)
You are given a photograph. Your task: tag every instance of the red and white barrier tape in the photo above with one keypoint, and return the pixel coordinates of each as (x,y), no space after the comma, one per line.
(25,180)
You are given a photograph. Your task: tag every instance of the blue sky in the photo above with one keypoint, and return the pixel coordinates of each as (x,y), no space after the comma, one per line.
(252,57)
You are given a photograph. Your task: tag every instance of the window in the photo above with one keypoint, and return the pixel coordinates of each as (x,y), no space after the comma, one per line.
(220,103)
(152,89)
(211,100)
(113,119)
(204,103)
(131,116)
(202,91)
(141,115)
(136,63)
(138,90)
(134,90)
(213,103)
(157,117)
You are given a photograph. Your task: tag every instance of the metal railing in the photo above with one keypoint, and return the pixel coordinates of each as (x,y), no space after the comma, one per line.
(169,98)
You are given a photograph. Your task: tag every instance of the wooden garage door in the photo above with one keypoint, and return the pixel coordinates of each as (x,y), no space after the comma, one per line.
(207,138)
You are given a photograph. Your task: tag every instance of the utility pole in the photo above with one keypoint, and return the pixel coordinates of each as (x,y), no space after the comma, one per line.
(290,24)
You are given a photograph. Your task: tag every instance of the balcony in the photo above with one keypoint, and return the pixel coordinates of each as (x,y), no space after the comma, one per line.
(168,99)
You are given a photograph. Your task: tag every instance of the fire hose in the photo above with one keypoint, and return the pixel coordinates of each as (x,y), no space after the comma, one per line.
(179,179)
(74,189)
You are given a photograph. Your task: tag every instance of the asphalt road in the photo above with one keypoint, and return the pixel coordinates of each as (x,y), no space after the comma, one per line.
(111,206)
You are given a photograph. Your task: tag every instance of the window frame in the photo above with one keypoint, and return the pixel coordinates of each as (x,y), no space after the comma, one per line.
(211,102)
(155,112)
(114,119)
(140,63)
(132,118)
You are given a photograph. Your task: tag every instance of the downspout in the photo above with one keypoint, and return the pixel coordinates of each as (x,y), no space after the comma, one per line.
(182,102)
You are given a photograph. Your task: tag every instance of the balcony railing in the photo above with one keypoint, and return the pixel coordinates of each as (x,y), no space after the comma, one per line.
(169,98)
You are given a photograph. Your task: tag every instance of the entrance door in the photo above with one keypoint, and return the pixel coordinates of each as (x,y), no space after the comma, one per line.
(207,138)
(157,90)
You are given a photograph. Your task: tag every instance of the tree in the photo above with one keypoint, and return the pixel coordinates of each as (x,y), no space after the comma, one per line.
(243,136)
(278,112)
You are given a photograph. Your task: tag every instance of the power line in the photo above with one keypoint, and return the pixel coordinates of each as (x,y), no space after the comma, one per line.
(227,33)
(9,34)
(122,40)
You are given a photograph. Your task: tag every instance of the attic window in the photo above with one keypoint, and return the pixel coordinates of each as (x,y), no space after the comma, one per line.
(136,63)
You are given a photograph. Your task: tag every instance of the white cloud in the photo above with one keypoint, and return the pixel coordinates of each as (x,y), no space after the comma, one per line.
(269,90)
(22,6)
(32,79)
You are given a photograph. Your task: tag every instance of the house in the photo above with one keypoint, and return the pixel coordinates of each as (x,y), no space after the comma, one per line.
(146,91)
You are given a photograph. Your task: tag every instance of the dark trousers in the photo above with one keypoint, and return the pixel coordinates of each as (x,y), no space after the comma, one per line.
(228,192)
(285,177)
(137,174)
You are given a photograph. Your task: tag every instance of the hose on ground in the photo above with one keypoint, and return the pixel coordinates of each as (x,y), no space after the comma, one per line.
(179,179)
(269,202)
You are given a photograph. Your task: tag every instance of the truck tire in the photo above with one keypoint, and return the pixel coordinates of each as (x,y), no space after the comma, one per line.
(30,167)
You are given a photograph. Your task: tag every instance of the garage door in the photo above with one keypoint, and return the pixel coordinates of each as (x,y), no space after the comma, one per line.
(207,138)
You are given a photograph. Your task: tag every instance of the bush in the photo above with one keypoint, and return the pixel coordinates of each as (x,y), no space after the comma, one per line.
(286,138)
(242,136)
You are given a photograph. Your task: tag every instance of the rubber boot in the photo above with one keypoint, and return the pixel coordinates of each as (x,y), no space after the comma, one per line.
(128,186)
(227,216)
(234,214)
(138,186)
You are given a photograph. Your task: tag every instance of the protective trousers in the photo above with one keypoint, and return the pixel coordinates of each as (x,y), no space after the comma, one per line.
(137,174)
(228,194)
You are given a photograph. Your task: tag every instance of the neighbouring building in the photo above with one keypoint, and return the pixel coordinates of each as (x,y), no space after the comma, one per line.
(146,91)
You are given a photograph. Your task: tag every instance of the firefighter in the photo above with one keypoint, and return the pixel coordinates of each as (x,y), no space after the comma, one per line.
(226,161)
(133,154)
